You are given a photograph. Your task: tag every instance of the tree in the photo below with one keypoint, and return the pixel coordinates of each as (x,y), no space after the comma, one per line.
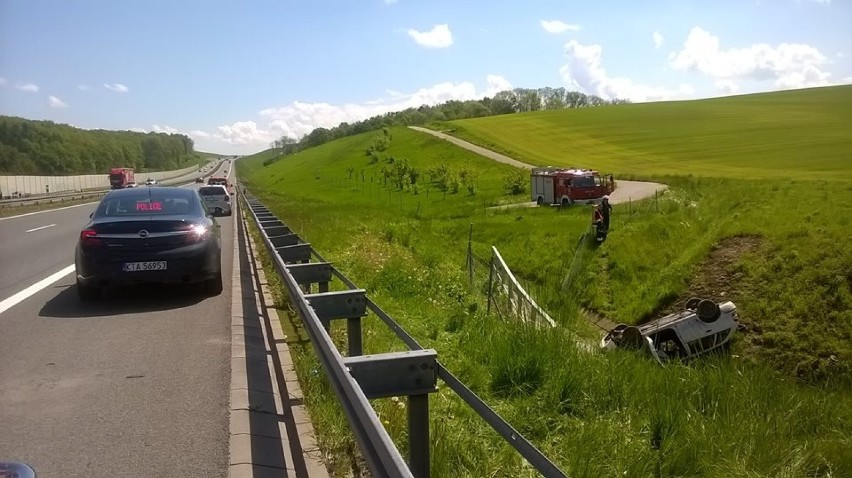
(504,102)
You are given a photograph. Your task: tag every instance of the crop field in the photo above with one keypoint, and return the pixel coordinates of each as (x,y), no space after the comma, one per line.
(772,235)
(799,134)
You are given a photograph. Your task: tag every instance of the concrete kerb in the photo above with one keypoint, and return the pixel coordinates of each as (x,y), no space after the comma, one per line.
(259,422)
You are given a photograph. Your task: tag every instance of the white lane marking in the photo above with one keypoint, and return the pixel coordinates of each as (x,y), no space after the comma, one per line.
(39,228)
(48,210)
(33,289)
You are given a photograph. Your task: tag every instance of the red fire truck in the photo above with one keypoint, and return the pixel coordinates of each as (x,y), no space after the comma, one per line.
(567,186)
(120,178)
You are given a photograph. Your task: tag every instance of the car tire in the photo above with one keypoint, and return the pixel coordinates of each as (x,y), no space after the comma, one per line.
(566,202)
(540,201)
(708,311)
(87,293)
(692,303)
(214,286)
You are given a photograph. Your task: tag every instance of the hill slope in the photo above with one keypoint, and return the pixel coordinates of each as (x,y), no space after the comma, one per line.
(771,135)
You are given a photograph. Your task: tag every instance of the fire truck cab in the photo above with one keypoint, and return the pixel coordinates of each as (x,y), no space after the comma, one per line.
(567,186)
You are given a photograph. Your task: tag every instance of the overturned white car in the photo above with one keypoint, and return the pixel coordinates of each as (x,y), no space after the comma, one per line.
(704,326)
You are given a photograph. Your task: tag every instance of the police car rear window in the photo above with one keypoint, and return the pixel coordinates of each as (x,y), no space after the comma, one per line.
(145,205)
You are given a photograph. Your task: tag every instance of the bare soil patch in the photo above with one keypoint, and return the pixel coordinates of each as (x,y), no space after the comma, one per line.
(716,277)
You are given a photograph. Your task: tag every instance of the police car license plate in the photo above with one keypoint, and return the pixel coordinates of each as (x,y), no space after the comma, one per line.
(145,266)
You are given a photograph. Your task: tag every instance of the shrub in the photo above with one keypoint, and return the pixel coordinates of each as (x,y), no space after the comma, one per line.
(516,182)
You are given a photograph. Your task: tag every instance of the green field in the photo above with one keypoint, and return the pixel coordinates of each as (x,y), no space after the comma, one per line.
(801,134)
(745,230)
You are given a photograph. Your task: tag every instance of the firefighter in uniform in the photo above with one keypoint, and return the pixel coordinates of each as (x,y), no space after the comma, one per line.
(598,224)
(606,211)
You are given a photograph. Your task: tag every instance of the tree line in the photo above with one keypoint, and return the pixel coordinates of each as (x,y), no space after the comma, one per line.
(48,148)
(517,100)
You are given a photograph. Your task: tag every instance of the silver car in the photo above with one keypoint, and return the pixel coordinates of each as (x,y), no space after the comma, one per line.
(216,199)
(703,326)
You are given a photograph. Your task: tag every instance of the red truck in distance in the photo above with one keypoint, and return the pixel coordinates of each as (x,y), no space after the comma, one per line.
(120,178)
(565,186)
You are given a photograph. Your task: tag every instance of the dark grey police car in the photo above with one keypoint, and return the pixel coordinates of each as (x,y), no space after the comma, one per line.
(139,235)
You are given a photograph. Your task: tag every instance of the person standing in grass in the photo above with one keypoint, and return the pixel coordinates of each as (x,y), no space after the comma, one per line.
(606,210)
(598,224)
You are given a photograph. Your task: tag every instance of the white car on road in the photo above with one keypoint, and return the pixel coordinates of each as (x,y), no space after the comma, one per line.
(216,199)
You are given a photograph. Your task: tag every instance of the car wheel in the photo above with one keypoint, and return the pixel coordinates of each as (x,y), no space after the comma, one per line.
(214,286)
(566,202)
(708,311)
(87,292)
(540,201)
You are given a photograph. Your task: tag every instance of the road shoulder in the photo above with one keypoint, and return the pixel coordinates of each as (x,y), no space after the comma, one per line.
(271,434)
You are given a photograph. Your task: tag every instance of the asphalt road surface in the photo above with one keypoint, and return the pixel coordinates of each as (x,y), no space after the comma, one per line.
(133,385)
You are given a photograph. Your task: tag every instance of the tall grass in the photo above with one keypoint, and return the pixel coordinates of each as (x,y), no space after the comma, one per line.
(594,414)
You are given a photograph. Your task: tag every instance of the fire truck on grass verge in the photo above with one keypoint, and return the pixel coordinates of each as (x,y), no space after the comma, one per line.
(565,186)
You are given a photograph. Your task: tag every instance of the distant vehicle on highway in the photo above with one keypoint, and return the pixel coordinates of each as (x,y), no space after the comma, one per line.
(130,185)
(222,181)
(151,182)
(199,179)
(148,235)
(121,178)
(216,199)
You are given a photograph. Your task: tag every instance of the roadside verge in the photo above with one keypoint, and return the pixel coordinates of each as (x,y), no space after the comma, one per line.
(270,429)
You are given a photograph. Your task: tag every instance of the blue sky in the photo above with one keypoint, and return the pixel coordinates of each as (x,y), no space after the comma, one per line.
(237,75)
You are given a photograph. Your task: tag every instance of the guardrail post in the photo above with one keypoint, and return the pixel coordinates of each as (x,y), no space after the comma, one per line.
(418,435)
(353,332)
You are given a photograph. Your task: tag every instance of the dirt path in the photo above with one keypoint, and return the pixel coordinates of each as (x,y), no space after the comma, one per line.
(624,192)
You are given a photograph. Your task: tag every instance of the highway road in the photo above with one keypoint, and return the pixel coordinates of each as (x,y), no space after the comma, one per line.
(133,385)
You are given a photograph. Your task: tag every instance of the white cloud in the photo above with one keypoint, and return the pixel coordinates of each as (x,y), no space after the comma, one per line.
(28,87)
(438,37)
(585,72)
(55,102)
(658,39)
(821,2)
(558,26)
(790,65)
(298,119)
(164,129)
(390,2)
(244,133)
(84,87)
(2,81)
(138,130)
(727,87)
(117,87)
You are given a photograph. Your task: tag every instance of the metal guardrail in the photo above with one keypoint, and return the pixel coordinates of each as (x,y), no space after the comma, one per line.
(357,378)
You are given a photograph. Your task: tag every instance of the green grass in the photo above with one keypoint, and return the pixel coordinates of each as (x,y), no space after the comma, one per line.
(593,414)
(800,134)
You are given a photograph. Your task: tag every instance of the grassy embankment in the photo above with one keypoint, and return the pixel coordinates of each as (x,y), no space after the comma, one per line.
(597,415)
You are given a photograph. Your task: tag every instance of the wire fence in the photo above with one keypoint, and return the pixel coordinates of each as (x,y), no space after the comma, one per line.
(507,294)
(509,298)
